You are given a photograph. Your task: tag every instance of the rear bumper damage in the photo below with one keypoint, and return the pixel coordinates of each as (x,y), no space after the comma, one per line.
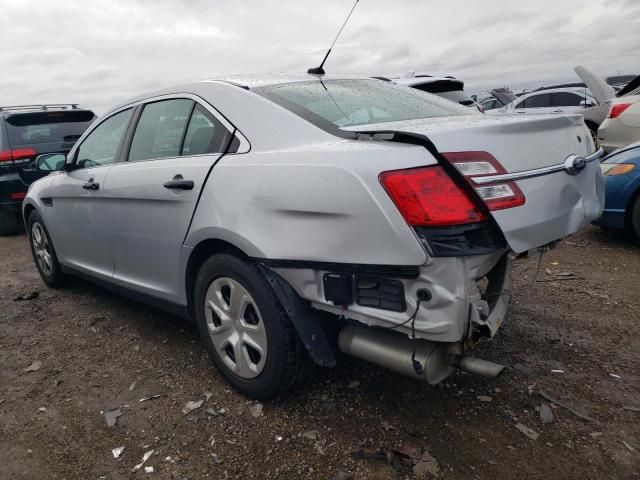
(468,300)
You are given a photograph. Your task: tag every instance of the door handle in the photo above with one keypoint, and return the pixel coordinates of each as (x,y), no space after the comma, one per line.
(91,185)
(178,183)
(558,111)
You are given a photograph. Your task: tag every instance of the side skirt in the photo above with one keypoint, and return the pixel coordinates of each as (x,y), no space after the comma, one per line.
(167,306)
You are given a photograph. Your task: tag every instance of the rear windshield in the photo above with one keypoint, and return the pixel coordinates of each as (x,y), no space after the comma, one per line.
(458,96)
(44,127)
(348,103)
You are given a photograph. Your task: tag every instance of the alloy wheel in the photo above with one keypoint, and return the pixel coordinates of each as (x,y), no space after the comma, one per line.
(236,328)
(41,249)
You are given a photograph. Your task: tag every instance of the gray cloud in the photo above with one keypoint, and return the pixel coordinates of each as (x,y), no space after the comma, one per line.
(99,53)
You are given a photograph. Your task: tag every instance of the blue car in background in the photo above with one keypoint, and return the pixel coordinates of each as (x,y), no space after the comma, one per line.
(621,172)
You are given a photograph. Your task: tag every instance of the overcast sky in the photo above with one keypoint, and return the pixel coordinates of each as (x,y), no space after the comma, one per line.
(101,52)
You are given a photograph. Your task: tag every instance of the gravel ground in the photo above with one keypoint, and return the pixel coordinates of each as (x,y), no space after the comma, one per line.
(573,333)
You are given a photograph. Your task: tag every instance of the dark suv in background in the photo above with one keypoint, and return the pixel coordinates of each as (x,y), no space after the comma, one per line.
(26,132)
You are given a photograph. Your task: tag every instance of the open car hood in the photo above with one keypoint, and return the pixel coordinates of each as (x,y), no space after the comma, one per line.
(602,91)
(503,94)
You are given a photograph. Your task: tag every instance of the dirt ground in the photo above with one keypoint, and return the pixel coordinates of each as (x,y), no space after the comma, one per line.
(574,333)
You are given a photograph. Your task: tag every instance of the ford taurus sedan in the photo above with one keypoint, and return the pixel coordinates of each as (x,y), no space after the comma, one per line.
(296,217)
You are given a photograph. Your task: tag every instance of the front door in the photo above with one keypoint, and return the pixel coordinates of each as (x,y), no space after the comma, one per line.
(79,225)
(152,196)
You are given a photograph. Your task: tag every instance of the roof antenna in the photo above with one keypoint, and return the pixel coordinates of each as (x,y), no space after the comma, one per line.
(319,70)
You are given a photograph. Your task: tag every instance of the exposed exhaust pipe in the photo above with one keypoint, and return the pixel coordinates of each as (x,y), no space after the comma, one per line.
(393,350)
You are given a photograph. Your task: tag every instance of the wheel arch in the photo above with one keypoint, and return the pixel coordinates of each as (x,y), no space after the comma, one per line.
(629,206)
(27,209)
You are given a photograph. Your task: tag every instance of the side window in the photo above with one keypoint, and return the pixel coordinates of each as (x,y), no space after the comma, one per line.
(101,145)
(205,134)
(565,99)
(160,130)
(535,101)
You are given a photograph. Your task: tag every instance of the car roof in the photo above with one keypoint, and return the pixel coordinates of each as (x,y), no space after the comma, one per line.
(265,79)
(64,107)
(558,90)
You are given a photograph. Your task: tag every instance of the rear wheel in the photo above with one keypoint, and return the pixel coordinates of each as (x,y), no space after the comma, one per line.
(245,330)
(43,252)
(10,222)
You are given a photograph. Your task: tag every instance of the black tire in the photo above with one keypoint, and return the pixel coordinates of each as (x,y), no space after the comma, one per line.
(634,218)
(10,222)
(287,363)
(55,278)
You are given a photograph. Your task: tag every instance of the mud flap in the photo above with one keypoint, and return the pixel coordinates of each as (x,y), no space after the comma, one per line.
(315,328)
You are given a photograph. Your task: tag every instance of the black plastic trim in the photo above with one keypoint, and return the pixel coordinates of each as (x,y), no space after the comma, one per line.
(167,306)
(462,240)
(392,271)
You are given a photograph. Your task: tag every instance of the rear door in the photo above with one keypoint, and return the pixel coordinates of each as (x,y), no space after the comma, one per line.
(153,194)
(78,204)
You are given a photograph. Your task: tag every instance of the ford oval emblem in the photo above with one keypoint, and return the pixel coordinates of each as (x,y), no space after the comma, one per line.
(574,164)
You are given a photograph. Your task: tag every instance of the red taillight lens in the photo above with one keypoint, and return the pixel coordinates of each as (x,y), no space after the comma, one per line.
(17,195)
(617,109)
(17,154)
(497,196)
(427,196)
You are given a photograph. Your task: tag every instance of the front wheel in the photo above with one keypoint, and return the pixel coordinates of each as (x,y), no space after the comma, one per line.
(44,255)
(634,220)
(245,330)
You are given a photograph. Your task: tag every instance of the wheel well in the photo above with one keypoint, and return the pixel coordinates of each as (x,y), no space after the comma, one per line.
(27,212)
(591,125)
(627,210)
(199,255)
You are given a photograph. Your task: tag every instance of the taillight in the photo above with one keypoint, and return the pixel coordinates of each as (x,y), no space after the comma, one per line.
(427,196)
(497,196)
(617,109)
(17,154)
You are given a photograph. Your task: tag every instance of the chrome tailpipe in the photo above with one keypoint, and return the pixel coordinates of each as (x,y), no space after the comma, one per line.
(393,350)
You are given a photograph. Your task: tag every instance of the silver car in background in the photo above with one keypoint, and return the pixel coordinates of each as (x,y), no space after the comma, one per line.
(293,217)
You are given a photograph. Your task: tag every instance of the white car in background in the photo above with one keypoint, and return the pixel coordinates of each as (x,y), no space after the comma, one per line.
(591,101)
(622,125)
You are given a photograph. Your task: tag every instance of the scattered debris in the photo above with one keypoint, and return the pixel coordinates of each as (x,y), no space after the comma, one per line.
(169,459)
(631,408)
(484,398)
(152,397)
(340,475)
(278,438)
(217,460)
(132,387)
(595,434)
(629,447)
(256,410)
(222,411)
(145,457)
(26,296)
(148,469)
(34,367)
(117,452)
(533,435)
(42,409)
(578,412)
(192,405)
(207,396)
(557,371)
(311,434)
(212,412)
(615,376)
(546,415)
(111,416)
(426,464)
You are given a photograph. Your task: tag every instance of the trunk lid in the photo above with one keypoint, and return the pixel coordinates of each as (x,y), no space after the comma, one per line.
(602,91)
(557,204)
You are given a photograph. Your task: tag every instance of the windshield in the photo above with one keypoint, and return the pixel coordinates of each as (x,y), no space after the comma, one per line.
(349,103)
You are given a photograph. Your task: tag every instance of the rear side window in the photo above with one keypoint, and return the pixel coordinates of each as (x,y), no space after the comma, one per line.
(536,101)
(565,99)
(101,145)
(46,127)
(160,129)
(205,134)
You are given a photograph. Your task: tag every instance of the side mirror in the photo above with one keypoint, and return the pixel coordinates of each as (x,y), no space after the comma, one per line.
(586,104)
(50,162)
